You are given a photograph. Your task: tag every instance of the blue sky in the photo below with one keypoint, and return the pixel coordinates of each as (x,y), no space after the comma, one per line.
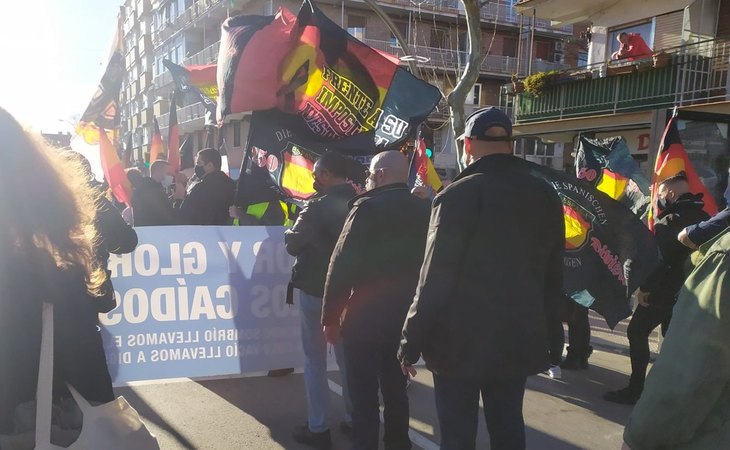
(53,53)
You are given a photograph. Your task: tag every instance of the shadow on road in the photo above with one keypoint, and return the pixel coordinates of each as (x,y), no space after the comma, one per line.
(151,416)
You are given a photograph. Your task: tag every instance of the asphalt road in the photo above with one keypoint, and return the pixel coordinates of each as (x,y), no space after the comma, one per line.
(260,412)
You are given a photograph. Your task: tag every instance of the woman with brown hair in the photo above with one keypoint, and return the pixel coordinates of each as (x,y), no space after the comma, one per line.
(47,254)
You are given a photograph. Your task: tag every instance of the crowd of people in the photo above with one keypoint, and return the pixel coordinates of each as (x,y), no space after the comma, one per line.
(471,282)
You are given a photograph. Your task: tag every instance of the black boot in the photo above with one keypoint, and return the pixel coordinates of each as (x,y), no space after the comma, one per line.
(320,441)
(626,396)
(576,360)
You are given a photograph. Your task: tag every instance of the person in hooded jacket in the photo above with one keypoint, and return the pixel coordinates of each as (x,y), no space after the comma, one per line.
(679,209)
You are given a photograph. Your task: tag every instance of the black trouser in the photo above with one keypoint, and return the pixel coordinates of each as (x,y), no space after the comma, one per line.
(556,341)
(457,405)
(579,332)
(369,365)
(643,322)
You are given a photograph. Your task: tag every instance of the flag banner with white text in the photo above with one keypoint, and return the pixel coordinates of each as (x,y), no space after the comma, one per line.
(198,301)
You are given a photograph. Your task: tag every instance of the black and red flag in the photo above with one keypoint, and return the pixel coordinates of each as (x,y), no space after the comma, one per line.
(278,163)
(672,159)
(607,165)
(609,251)
(173,137)
(331,85)
(198,81)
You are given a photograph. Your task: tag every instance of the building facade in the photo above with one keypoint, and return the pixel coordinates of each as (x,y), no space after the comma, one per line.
(187,32)
(633,99)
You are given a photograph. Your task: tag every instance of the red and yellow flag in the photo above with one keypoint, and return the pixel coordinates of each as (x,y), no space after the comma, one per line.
(157,149)
(296,175)
(670,161)
(114,170)
(422,171)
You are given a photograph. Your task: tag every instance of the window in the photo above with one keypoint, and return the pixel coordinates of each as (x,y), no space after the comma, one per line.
(645,30)
(534,150)
(582,60)
(474,97)
(439,38)
(180,53)
(402,27)
(509,46)
(356,26)
(236,134)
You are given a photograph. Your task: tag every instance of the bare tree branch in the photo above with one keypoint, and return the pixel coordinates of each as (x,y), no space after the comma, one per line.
(393,29)
(457,97)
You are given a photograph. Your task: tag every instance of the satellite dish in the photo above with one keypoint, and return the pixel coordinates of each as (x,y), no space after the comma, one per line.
(420,59)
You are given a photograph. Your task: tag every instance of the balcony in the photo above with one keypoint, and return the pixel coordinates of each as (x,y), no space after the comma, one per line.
(208,55)
(442,110)
(696,73)
(499,11)
(145,81)
(188,17)
(184,115)
(448,59)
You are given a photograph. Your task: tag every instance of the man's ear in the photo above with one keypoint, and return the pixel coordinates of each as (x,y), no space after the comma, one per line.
(467,147)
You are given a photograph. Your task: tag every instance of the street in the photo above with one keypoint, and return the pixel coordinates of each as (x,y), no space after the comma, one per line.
(260,412)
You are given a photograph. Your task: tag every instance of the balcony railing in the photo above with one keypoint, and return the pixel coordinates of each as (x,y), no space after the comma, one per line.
(186,18)
(695,73)
(448,59)
(442,110)
(184,115)
(500,11)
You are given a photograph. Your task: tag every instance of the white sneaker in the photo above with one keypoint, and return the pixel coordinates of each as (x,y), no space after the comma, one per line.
(555,373)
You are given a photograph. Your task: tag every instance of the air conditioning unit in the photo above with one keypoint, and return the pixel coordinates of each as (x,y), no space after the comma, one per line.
(559,46)
(558,57)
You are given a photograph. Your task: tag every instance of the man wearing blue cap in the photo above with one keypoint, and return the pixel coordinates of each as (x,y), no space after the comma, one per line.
(491,281)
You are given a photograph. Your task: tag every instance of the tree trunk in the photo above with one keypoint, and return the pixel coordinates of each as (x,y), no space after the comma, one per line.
(457,97)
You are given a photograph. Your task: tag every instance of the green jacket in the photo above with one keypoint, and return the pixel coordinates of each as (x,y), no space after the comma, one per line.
(686,400)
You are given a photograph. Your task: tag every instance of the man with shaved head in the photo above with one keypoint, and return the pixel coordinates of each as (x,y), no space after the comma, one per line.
(678,208)
(370,284)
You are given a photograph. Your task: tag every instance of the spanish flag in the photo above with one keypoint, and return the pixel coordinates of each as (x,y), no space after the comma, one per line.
(422,171)
(173,137)
(114,170)
(670,161)
(296,175)
(157,150)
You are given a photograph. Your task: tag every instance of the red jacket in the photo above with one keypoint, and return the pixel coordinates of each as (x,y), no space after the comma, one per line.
(636,48)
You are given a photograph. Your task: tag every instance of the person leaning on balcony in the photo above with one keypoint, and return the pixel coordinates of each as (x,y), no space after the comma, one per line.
(633,47)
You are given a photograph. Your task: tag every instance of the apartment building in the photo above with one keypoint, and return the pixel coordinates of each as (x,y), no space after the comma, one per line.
(188,33)
(634,99)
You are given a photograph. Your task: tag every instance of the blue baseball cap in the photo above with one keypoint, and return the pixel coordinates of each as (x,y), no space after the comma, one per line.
(482,120)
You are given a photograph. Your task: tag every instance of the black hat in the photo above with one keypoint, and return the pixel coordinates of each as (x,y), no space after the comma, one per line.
(480,121)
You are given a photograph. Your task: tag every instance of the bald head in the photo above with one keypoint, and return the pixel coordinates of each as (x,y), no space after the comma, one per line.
(387,168)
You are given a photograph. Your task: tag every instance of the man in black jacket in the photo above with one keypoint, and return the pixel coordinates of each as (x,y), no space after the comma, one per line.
(208,201)
(491,279)
(679,209)
(151,205)
(371,281)
(311,240)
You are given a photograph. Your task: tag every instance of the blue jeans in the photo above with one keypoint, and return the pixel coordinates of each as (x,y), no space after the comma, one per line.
(315,365)
(457,405)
